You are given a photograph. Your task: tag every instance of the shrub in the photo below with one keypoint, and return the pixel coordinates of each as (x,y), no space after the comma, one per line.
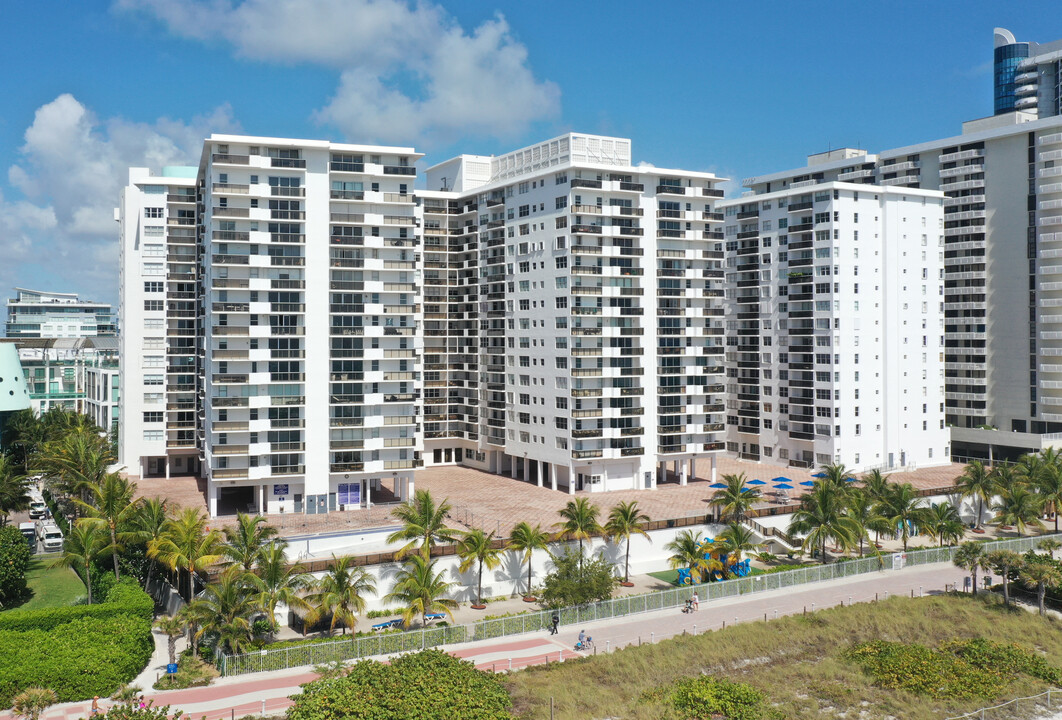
(124,598)
(709,697)
(14,561)
(191,672)
(578,580)
(428,685)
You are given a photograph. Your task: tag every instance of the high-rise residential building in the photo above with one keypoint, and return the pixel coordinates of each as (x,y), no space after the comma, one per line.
(573,309)
(554,313)
(70,374)
(834,325)
(1027,76)
(36,314)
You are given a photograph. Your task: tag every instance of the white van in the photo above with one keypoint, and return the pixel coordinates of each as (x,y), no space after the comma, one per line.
(37,508)
(51,538)
(29,531)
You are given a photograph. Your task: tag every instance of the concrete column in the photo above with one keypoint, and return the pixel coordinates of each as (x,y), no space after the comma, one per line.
(167,467)
(681,466)
(713,469)
(410,490)
(553,478)
(571,479)
(368,494)
(262,495)
(693,469)
(541,470)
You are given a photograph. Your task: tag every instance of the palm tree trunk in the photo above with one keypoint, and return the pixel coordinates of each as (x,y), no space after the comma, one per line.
(627,563)
(975,581)
(114,551)
(479,586)
(1041,590)
(529,574)
(980,509)
(1006,588)
(88,580)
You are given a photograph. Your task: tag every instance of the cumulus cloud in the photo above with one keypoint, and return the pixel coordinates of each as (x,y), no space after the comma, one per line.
(407,73)
(70,170)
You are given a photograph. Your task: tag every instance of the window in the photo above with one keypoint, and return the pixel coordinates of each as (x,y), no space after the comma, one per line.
(562,303)
(153,287)
(153,305)
(562,202)
(155,416)
(152,212)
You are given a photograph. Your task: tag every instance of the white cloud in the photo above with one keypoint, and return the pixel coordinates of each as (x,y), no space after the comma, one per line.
(408,73)
(71,168)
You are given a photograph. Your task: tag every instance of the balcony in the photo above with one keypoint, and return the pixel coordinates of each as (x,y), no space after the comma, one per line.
(583,183)
(227,159)
(670,190)
(399,170)
(287,162)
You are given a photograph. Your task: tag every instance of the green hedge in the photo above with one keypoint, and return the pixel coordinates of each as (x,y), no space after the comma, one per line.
(125,598)
(14,561)
(77,651)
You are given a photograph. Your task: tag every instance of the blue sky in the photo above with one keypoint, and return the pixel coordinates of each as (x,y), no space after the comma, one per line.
(734,88)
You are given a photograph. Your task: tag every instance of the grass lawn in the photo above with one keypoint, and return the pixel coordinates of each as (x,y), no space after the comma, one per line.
(51,587)
(797,662)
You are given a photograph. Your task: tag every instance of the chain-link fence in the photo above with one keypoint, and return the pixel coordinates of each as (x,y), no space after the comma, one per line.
(388,643)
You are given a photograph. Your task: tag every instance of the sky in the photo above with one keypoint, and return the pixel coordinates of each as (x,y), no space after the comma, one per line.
(738,89)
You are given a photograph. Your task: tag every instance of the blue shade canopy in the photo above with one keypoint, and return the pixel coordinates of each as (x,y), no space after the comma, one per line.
(756,482)
(718,486)
(818,475)
(807,483)
(849,479)
(746,489)
(783,486)
(780,478)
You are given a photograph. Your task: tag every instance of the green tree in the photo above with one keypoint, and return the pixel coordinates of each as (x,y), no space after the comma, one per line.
(1040,575)
(578,521)
(735,501)
(14,489)
(689,551)
(875,484)
(147,526)
(423,525)
(172,626)
(110,505)
(1049,545)
(526,539)
(821,518)
(942,522)
(477,548)
(835,474)
(223,611)
(971,556)
(24,437)
(735,540)
(340,593)
(420,590)
(1048,484)
(1020,507)
(31,702)
(77,460)
(14,562)
(979,483)
(863,509)
(625,520)
(578,583)
(276,582)
(187,545)
(904,509)
(84,543)
(244,541)
(1004,562)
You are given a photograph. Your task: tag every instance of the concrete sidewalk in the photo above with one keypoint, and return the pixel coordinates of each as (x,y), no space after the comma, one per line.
(246,694)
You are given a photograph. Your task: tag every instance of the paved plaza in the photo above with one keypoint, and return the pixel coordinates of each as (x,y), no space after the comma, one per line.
(496,502)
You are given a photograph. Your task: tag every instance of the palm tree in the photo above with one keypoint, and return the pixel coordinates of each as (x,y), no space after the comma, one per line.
(875,484)
(971,556)
(147,526)
(424,522)
(81,547)
(341,593)
(31,702)
(904,510)
(172,626)
(624,520)
(224,611)
(736,499)
(1020,507)
(977,482)
(1048,484)
(527,539)
(942,521)
(276,582)
(244,541)
(836,475)
(78,460)
(477,547)
(187,545)
(1049,545)
(579,522)
(1003,561)
(862,508)
(24,436)
(689,551)
(734,540)
(14,489)
(110,505)
(420,590)
(1041,576)
(821,517)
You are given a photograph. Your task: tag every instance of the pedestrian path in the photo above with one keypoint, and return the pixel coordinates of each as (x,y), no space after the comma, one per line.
(242,695)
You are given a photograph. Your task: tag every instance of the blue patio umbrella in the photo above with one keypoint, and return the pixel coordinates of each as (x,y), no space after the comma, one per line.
(780,478)
(756,482)
(718,486)
(818,475)
(849,479)
(807,483)
(783,486)
(746,489)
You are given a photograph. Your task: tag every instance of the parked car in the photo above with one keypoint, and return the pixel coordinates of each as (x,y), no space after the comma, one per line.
(51,537)
(29,531)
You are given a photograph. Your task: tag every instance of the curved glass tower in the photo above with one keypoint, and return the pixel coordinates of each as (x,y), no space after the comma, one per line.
(1008,55)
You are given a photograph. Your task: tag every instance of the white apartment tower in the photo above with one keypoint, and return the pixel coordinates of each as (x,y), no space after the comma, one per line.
(573,311)
(834,326)
(39,314)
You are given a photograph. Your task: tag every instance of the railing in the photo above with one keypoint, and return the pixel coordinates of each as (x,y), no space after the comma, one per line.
(350,648)
(1038,704)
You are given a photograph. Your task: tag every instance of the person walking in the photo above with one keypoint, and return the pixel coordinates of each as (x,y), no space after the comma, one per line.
(95,706)
(554,622)
(696,601)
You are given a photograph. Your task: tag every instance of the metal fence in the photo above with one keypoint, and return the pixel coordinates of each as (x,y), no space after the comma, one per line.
(387,643)
(1032,706)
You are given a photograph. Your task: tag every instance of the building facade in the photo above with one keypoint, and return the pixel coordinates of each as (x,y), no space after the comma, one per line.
(1027,76)
(36,314)
(835,326)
